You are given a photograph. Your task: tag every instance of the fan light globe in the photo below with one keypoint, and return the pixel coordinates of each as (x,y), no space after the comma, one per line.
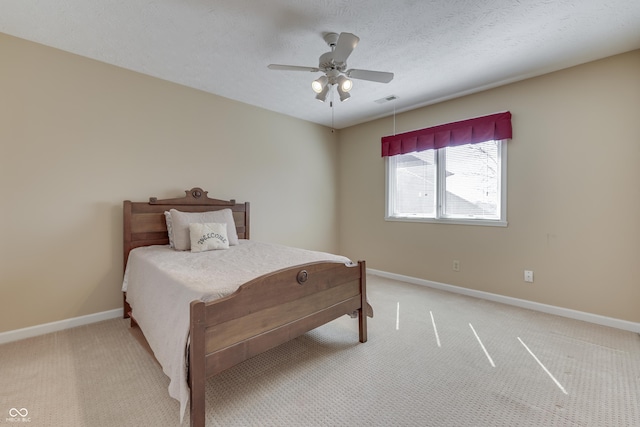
(346,84)
(319,84)
(322,95)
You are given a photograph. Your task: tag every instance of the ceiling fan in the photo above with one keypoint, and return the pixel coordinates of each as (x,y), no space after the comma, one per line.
(334,65)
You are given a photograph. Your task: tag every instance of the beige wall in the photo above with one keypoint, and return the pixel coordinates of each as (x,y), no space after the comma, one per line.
(573,194)
(78,137)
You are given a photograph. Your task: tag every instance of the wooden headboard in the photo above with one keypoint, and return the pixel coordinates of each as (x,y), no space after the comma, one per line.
(145,225)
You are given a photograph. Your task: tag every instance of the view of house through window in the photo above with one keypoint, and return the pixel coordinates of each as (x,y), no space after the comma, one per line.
(452,184)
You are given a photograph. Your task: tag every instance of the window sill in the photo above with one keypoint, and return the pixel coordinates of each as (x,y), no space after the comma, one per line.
(452,221)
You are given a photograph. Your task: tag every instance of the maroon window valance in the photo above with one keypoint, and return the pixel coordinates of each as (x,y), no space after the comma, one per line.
(471,131)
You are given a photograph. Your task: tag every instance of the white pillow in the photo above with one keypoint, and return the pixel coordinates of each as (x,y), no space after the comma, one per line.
(208,236)
(180,225)
(167,219)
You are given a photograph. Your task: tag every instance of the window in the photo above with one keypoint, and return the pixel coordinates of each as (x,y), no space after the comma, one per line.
(463,184)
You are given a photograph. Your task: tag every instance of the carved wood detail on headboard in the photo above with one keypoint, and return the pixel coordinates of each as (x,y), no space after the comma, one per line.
(195,196)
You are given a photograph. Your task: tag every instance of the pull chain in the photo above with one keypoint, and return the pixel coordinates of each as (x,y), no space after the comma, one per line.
(332,116)
(332,113)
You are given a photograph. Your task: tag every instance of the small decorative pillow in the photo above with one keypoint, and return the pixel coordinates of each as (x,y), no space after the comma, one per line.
(208,236)
(180,225)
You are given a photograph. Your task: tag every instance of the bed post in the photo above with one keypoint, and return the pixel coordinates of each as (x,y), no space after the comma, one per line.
(126,239)
(197,373)
(362,313)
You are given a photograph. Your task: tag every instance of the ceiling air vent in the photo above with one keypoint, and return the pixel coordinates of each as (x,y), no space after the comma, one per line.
(386,99)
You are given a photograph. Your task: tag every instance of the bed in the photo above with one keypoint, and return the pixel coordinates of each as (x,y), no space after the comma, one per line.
(217,330)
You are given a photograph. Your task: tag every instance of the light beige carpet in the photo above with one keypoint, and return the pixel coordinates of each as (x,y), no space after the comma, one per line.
(432,359)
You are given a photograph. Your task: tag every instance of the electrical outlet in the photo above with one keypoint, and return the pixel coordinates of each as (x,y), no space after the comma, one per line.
(456,265)
(528,276)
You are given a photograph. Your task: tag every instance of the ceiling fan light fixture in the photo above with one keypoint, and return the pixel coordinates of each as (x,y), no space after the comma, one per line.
(334,66)
(344,84)
(319,84)
(322,95)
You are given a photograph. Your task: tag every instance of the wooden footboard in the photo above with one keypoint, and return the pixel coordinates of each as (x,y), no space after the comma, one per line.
(267,312)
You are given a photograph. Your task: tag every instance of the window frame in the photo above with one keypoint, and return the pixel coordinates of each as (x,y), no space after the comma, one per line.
(502,191)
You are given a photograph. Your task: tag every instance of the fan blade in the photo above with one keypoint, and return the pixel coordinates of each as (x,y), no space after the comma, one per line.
(344,46)
(292,68)
(374,76)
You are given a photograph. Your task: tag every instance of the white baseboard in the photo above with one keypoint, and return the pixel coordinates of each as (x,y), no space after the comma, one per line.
(46,328)
(60,325)
(559,311)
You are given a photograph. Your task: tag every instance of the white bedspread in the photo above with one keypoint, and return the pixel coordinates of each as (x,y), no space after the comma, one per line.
(161,282)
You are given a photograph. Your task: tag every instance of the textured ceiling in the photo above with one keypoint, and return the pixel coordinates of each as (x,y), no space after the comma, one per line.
(438,49)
